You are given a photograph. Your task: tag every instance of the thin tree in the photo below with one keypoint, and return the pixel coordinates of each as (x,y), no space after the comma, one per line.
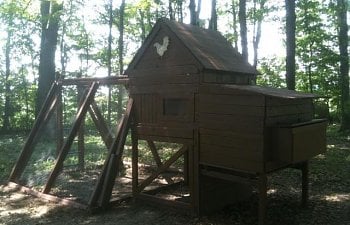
(8,48)
(290,44)
(194,13)
(242,16)
(258,17)
(343,39)
(109,58)
(121,56)
(213,23)
(234,23)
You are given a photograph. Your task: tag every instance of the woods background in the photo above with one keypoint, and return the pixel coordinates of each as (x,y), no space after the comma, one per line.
(40,39)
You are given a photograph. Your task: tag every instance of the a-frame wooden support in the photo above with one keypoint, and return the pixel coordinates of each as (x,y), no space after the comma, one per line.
(103,190)
(43,117)
(73,133)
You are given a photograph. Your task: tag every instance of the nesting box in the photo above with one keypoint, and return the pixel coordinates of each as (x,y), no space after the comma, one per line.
(190,85)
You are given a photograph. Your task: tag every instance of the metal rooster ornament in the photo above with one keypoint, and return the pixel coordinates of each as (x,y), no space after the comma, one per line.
(162,48)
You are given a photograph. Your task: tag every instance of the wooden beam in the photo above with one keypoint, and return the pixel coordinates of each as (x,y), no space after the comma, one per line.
(156,157)
(76,125)
(43,116)
(112,80)
(101,124)
(103,189)
(162,168)
(134,158)
(117,148)
(47,197)
(181,206)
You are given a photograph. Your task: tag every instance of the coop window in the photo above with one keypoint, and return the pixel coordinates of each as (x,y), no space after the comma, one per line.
(174,106)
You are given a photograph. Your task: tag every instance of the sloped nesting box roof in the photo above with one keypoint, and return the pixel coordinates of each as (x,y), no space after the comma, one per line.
(207,47)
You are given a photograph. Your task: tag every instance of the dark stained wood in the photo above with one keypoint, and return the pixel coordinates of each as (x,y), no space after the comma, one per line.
(103,190)
(43,116)
(299,142)
(134,157)
(157,159)
(75,128)
(50,198)
(177,205)
(262,186)
(175,132)
(112,80)
(162,168)
(100,124)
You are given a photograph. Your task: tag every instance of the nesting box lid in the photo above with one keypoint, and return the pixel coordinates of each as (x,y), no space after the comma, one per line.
(208,47)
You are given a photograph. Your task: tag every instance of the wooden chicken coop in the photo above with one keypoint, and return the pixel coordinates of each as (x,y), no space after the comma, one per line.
(190,89)
(190,86)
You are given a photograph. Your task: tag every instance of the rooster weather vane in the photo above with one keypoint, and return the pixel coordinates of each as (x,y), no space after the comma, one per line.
(162,48)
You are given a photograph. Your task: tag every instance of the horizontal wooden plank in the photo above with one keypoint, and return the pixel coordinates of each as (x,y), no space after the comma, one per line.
(255,153)
(289,109)
(166,139)
(243,124)
(160,89)
(231,163)
(214,108)
(245,142)
(288,119)
(224,90)
(244,100)
(274,101)
(164,79)
(165,131)
(173,70)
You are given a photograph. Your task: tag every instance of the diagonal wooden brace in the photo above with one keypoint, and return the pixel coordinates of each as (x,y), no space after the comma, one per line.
(43,116)
(76,125)
(162,168)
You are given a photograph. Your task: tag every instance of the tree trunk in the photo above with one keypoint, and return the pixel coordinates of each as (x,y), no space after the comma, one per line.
(343,38)
(242,16)
(7,107)
(195,13)
(109,60)
(121,57)
(50,16)
(171,10)
(290,44)
(235,32)
(257,32)
(213,24)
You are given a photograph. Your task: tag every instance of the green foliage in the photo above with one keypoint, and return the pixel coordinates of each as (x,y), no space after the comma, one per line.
(272,73)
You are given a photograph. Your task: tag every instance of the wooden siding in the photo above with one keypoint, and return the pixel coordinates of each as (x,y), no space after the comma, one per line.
(231,130)
(146,108)
(288,111)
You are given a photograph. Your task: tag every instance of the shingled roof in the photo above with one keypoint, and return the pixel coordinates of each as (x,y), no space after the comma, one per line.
(209,47)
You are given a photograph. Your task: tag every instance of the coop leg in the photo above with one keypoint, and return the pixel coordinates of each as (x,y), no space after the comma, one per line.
(305,183)
(262,185)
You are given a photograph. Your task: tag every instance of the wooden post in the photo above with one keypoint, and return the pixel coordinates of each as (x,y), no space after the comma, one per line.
(81,145)
(194,175)
(59,120)
(135,158)
(305,183)
(262,186)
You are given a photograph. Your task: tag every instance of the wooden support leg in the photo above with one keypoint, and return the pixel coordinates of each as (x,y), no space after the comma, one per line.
(305,183)
(262,185)
(135,160)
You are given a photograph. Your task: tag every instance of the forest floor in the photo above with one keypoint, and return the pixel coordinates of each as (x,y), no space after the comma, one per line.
(329,201)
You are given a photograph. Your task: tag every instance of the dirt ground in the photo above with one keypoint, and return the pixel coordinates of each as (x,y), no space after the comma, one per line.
(329,201)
